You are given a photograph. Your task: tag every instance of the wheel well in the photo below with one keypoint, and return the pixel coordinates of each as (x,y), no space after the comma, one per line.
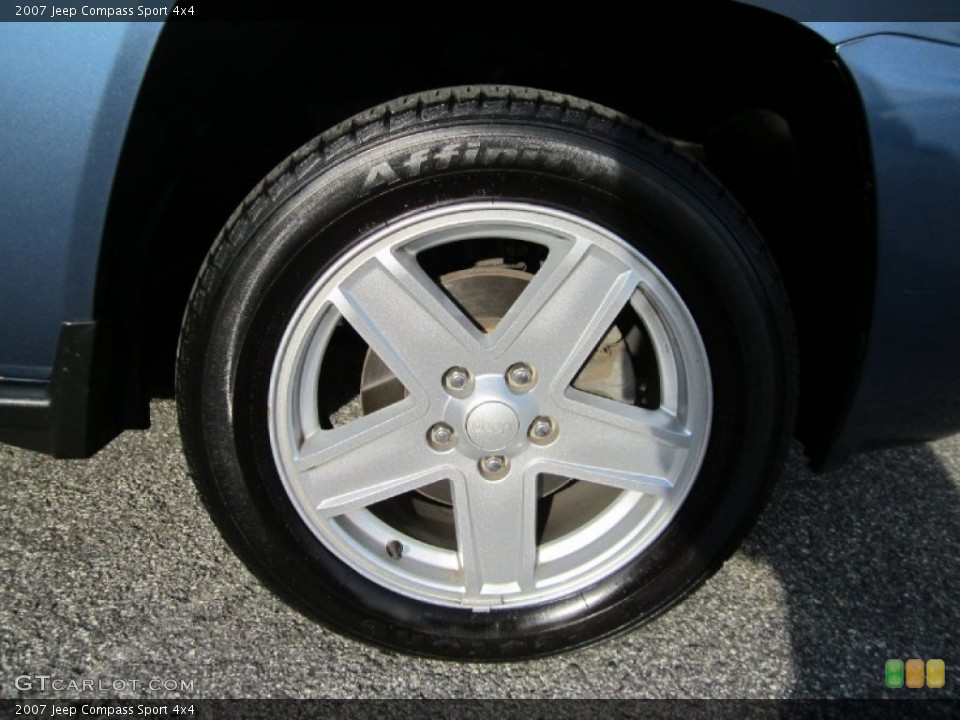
(764,104)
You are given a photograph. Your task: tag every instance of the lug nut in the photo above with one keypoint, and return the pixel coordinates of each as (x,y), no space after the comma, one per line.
(441,437)
(520,377)
(493,464)
(458,381)
(494,467)
(543,430)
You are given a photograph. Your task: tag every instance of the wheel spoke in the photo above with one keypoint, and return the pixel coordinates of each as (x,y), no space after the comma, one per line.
(368,467)
(566,310)
(406,320)
(496,534)
(619,445)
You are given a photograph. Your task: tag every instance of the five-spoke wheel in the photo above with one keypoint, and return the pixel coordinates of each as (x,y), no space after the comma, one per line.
(492,408)
(486,373)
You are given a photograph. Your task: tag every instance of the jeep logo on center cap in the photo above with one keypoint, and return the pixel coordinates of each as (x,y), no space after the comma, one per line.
(492,426)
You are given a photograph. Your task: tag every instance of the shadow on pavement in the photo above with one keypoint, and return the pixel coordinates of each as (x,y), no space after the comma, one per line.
(869,557)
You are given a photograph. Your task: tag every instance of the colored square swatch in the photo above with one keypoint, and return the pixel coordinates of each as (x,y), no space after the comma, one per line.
(914,669)
(893,673)
(936,673)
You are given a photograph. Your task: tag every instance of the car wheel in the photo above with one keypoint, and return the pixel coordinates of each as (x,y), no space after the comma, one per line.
(486,373)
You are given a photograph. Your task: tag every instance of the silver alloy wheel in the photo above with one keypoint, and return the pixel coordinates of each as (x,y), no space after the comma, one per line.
(634,465)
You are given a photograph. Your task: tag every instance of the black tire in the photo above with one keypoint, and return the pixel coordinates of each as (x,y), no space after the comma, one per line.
(512,144)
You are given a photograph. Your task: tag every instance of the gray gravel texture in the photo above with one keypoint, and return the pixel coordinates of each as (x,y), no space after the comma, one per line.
(112,572)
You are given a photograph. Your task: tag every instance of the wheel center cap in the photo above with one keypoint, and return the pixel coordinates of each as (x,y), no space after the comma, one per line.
(492,426)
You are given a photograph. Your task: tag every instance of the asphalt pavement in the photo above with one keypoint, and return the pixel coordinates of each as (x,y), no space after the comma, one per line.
(114,575)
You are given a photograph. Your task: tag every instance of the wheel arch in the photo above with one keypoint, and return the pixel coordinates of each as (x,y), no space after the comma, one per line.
(766,105)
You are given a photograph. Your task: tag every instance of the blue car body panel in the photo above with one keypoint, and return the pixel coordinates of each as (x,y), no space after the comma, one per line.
(911,92)
(841,32)
(69,89)
(67,92)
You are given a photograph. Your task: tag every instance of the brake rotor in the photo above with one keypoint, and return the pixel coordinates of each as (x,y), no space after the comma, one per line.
(485,293)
